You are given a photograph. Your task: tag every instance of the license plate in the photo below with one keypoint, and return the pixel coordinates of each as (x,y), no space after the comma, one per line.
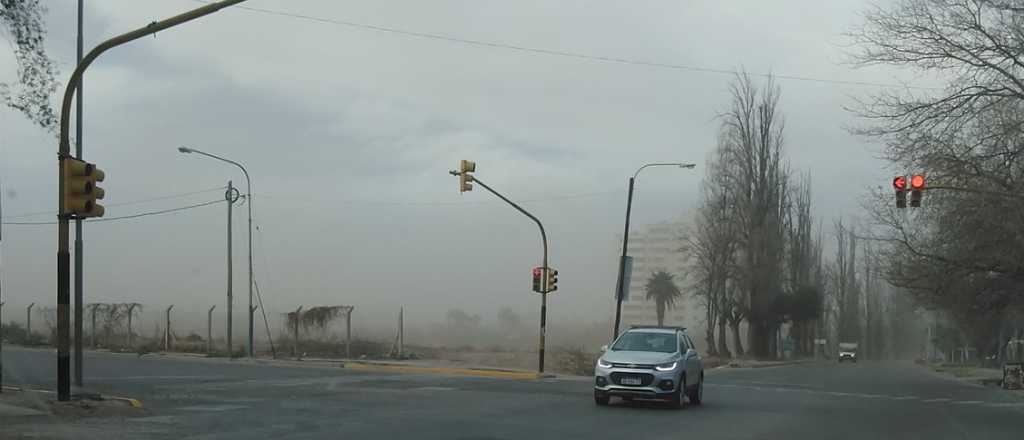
(630,380)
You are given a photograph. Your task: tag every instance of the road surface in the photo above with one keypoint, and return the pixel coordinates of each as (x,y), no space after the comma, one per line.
(201,398)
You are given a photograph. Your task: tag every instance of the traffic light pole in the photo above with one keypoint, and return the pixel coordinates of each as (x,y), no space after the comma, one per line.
(64,152)
(543,295)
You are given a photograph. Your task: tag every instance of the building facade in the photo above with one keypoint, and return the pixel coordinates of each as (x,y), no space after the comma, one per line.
(654,248)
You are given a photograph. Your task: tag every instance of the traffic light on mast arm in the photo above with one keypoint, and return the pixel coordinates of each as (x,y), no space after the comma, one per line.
(916,187)
(899,183)
(466,179)
(80,190)
(538,277)
(552,280)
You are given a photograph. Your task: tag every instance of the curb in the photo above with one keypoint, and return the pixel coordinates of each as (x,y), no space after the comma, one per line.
(134,403)
(447,371)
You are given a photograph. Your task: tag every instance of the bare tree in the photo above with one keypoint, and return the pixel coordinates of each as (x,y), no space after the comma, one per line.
(845,288)
(751,138)
(21,22)
(962,253)
(711,251)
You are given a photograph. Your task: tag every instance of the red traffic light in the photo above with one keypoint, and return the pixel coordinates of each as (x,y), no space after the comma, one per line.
(537,272)
(917,181)
(900,183)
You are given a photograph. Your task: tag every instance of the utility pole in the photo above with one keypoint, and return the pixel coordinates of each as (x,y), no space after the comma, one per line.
(131,313)
(79,245)
(92,331)
(28,323)
(209,329)
(401,331)
(466,178)
(295,344)
(231,196)
(348,331)
(167,331)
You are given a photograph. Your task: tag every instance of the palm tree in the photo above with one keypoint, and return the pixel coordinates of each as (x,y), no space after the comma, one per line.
(662,289)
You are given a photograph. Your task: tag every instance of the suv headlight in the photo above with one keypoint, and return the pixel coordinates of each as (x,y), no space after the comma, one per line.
(666,367)
(603,364)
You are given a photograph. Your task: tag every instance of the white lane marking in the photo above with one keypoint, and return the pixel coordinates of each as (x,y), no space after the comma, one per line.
(212,408)
(875,396)
(155,377)
(1005,405)
(433,389)
(779,384)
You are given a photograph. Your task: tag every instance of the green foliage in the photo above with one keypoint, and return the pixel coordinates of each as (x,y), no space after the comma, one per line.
(318,317)
(662,289)
(14,333)
(801,306)
(22,21)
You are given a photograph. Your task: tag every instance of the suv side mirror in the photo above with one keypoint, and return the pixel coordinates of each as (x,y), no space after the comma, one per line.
(604,348)
(690,352)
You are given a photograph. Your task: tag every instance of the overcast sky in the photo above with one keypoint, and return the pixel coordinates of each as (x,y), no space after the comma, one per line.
(349,132)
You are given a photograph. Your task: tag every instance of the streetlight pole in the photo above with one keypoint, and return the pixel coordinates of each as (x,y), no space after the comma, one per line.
(79,245)
(248,196)
(620,288)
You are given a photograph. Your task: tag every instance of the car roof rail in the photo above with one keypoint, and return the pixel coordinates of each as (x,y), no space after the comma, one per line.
(663,327)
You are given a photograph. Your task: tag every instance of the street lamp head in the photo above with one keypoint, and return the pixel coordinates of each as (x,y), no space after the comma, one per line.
(185,149)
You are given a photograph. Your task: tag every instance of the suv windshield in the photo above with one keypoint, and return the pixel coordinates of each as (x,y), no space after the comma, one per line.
(638,341)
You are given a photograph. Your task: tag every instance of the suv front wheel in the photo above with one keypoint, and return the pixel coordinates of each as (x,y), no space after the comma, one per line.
(601,400)
(697,394)
(676,400)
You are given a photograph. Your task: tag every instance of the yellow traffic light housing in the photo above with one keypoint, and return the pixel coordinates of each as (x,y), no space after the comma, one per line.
(466,179)
(551,283)
(80,190)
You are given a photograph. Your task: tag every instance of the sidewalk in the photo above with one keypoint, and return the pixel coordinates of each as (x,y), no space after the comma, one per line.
(966,373)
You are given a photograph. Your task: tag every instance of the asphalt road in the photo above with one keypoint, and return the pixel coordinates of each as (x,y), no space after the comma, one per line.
(191,399)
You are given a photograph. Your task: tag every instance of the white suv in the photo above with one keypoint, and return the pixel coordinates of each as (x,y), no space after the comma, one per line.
(650,363)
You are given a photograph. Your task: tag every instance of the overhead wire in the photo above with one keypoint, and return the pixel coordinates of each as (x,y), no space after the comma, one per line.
(132,202)
(563,53)
(125,217)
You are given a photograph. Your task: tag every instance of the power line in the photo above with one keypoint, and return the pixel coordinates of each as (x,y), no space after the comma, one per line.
(126,217)
(133,202)
(439,203)
(562,53)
